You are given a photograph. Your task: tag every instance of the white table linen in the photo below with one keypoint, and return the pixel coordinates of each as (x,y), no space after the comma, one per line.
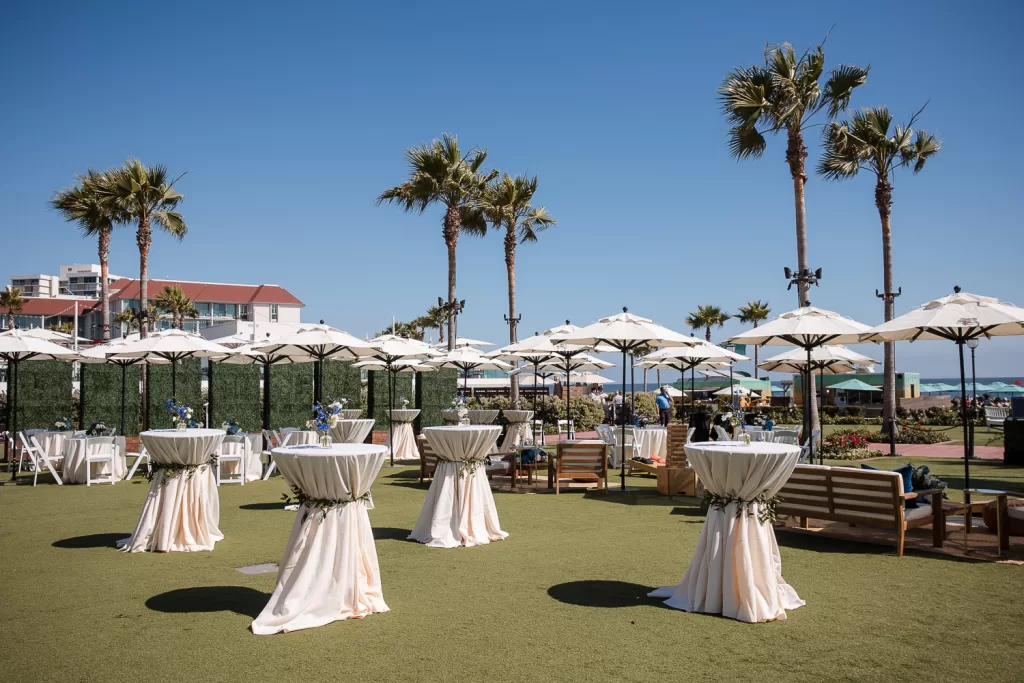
(653,442)
(736,570)
(404,438)
(301,437)
(52,442)
(484,417)
(518,429)
(182,512)
(350,413)
(459,509)
(351,431)
(74,451)
(329,570)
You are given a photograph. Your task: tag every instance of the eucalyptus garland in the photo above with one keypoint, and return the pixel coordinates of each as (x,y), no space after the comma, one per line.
(468,467)
(174,469)
(322,505)
(766,505)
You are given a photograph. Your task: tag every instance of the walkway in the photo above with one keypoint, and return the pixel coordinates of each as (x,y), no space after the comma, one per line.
(927,450)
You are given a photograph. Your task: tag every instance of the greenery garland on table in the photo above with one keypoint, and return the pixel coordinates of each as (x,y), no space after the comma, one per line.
(323,505)
(175,469)
(468,467)
(766,505)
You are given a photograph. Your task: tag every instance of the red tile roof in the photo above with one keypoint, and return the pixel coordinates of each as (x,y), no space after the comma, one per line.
(47,306)
(127,288)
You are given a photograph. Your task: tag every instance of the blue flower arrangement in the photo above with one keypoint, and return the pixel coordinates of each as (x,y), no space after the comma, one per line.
(62,424)
(181,414)
(231,427)
(325,417)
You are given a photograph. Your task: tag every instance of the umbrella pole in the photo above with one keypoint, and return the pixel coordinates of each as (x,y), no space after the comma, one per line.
(266,395)
(174,380)
(391,408)
(124,382)
(622,445)
(963,407)
(632,390)
(821,411)
(808,397)
(535,369)
(568,397)
(12,367)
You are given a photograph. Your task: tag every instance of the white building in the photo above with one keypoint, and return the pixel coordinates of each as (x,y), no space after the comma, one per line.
(36,286)
(84,280)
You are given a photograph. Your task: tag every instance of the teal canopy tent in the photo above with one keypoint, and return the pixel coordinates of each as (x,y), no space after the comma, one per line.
(854,385)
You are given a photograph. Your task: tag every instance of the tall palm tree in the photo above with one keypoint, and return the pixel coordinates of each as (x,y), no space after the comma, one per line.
(84,204)
(433,319)
(11,299)
(784,95)
(871,142)
(440,173)
(754,312)
(707,317)
(173,300)
(129,319)
(146,195)
(506,204)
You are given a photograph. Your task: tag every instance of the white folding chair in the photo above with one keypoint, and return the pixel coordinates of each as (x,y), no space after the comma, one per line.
(604,432)
(240,455)
(805,449)
(38,457)
(141,456)
(538,428)
(631,448)
(568,426)
(689,433)
(722,434)
(111,432)
(100,450)
(786,436)
(282,437)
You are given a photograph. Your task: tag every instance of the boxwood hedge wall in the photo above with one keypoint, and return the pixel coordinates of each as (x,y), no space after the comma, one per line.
(434,393)
(235,393)
(101,397)
(341,379)
(189,391)
(44,393)
(291,395)
(377,395)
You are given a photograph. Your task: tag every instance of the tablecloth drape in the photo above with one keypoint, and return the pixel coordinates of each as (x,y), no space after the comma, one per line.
(329,570)
(351,431)
(405,439)
(518,429)
(459,509)
(74,450)
(182,509)
(736,570)
(300,437)
(484,417)
(653,442)
(51,442)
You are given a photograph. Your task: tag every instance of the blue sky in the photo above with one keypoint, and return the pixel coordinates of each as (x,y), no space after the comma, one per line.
(292,118)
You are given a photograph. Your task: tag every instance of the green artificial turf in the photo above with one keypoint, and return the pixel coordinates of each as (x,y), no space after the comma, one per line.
(563,598)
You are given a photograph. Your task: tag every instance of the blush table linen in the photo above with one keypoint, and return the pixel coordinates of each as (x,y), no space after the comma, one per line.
(653,442)
(459,509)
(351,431)
(52,442)
(518,429)
(329,571)
(405,440)
(736,570)
(182,511)
(74,451)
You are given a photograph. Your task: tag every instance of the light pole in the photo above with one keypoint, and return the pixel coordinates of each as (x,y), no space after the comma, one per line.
(890,350)
(972,413)
(452,308)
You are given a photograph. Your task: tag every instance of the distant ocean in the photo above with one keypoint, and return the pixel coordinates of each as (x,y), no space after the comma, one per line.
(652,385)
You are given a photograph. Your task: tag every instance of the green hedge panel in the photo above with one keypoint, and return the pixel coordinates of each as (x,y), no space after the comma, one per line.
(377,395)
(189,391)
(291,395)
(44,393)
(101,397)
(341,379)
(434,393)
(235,393)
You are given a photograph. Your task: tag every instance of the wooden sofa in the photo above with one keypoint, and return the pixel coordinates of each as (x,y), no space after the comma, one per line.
(872,498)
(580,459)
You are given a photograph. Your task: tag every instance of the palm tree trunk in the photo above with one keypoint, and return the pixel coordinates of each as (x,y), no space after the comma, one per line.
(451,238)
(707,333)
(883,200)
(796,156)
(510,266)
(104,253)
(143,238)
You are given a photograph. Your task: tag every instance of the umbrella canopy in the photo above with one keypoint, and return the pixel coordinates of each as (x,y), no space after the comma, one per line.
(580,363)
(588,378)
(390,348)
(49,335)
(169,345)
(397,366)
(108,353)
(735,391)
(467,358)
(805,327)
(957,317)
(854,385)
(463,342)
(834,360)
(1008,389)
(539,348)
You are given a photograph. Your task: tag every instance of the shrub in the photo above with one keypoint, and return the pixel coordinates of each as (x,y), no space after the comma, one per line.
(911,434)
(849,420)
(235,393)
(101,396)
(857,454)
(44,393)
(838,443)
(586,414)
(434,393)
(854,411)
(645,407)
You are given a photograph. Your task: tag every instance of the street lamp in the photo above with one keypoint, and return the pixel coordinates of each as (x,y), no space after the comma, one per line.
(452,308)
(972,344)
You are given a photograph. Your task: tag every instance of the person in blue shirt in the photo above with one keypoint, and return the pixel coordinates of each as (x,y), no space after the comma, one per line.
(664,403)
(769,425)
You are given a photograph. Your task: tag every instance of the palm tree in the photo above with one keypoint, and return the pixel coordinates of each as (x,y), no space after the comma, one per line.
(433,319)
(871,142)
(11,299)
(144,194)
(83,204)
(63,328)
(754,312)
(173,300)
(128,319)
(707,317)
(440,173)
(784,95)
(410,330)
(506,204)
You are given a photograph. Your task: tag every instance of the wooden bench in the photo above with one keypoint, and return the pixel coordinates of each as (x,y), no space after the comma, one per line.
(872,498)
(581,458)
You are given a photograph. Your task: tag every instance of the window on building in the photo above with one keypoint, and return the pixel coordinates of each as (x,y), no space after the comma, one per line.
(273,313)
(243,311)
(220,310)
(231,310)
(204,310)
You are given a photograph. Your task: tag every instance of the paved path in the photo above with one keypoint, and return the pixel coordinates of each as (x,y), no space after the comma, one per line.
(925,450)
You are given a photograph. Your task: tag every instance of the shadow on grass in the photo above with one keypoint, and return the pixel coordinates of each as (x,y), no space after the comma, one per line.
(603,594)
(645,496)
(818,542)
(279,505)
(237,599)
(91,541)
(390,533)
(404,474)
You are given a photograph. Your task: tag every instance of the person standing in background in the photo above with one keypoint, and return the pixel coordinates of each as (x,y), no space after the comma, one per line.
(664,403)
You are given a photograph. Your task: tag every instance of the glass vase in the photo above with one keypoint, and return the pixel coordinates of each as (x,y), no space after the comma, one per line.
(181,426)
(325,440)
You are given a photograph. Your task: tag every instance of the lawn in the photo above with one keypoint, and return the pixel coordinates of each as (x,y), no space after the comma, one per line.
(562,599)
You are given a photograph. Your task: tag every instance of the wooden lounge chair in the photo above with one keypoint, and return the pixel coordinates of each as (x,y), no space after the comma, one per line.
(578,459)
(428,459)
(872,498)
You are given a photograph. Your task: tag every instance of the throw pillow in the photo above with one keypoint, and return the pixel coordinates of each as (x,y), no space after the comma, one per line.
(907,473)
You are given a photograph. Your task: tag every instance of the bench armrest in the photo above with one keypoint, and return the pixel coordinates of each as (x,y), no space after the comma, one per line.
(921,494)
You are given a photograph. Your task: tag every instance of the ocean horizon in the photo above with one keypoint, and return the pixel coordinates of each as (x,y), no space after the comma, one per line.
(653,386)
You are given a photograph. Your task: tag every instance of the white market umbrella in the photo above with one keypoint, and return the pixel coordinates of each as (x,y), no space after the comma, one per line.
(958,318)
(807,327)
(51,336)
(733,391)
(702,355)
(827,360)
(172,346)
(624,332)
(318,343)
(466,359)
(107,353)
(463,342)
(14,349)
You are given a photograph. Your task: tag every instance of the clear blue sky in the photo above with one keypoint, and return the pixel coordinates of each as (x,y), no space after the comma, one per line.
(292,118)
